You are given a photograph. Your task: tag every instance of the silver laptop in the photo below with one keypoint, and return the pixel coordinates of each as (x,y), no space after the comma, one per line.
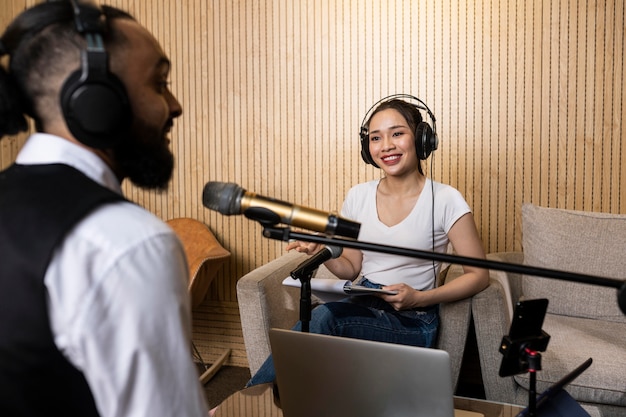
(328,376)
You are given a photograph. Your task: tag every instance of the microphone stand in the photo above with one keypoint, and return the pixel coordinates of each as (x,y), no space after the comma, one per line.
(305,297)
(533,362)
(286,234)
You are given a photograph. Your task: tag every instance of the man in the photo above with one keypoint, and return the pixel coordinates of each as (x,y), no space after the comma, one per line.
(94,311)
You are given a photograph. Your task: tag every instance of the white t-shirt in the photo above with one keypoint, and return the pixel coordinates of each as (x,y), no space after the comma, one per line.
(414,232)
(118,300)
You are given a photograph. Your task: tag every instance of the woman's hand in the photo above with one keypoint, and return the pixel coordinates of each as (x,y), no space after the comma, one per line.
(310,248)
(406,298)
(346,266)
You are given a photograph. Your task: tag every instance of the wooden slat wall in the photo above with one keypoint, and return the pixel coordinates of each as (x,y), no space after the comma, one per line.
(528,95)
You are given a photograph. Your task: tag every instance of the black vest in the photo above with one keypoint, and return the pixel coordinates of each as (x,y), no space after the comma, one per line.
(39,204)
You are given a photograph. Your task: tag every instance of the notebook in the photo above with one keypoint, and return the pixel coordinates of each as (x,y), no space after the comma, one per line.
(320,375)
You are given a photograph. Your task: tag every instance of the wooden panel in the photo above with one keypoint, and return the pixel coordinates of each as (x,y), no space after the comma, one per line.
(10,145)
(217,327)
(529,100)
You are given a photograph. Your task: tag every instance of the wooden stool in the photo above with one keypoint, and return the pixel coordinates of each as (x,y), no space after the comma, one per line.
(201,247)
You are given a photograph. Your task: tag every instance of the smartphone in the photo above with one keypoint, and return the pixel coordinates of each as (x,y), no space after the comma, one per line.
(525,333)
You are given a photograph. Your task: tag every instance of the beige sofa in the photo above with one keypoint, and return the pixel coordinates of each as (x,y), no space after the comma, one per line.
(264,303)
(583,320)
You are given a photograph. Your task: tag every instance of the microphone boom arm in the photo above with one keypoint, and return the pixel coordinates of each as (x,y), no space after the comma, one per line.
(285,234)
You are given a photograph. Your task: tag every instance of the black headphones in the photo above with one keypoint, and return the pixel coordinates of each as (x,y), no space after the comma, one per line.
(93,100)
(426,140)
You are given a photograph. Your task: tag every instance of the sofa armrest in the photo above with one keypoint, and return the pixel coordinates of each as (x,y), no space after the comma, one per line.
(492,310)
(454,322)
(511,282)
(265,303)
(489,309)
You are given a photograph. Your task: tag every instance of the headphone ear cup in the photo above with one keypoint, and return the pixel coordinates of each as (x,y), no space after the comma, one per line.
(96,108)
(425,140)
(365,148)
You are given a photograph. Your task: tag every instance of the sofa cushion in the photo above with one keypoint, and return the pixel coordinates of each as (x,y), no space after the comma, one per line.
(572,341)
(577,241)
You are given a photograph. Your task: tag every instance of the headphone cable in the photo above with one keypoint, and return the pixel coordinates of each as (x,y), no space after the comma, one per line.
(432,196)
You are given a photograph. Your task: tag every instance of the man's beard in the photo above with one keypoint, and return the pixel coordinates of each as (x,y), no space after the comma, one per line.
(144,157)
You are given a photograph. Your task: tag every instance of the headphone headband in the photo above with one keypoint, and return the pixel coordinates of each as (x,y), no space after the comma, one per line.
(87,19)
(421,105)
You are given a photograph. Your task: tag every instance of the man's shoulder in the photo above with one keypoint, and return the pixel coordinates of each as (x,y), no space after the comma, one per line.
(123,224)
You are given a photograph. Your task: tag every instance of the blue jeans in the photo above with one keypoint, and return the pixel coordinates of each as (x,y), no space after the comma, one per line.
(365,317)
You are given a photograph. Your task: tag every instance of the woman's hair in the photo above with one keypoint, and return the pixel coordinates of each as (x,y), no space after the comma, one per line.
(408,111)
(41,43)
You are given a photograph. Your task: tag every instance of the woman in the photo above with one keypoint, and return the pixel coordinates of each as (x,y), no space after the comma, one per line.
(406,209)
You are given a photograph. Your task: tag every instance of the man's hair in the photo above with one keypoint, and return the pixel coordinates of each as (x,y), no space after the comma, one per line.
(43,45)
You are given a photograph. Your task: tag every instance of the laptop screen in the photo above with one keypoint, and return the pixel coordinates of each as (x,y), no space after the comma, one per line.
(320,375)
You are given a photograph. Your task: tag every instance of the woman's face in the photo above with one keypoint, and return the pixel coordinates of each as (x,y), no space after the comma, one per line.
(392,143)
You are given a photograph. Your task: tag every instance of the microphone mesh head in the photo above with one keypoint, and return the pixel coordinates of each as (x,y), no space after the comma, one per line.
(223,197)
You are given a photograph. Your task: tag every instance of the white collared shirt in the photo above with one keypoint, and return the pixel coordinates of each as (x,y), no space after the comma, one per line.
(118,299)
